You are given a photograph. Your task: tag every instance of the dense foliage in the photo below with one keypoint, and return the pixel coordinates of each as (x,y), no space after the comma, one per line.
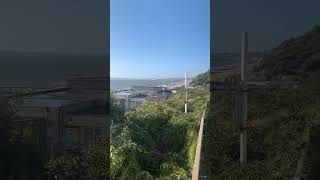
(90,163)
(19,157)
(280,123)
(280,120)
(157,140)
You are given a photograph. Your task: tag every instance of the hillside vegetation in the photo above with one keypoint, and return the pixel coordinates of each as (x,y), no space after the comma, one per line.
(293,59)
(157,140)
(280,121)
(202,79)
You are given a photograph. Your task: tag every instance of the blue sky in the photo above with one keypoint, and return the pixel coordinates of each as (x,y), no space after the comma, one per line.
(77,26)
(268,22)
(159,38)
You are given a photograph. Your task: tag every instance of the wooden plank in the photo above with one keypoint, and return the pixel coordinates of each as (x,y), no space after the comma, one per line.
(197,159)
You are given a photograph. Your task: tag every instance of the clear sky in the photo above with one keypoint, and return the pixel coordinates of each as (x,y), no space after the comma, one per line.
(159,38)
(269,22)
(69,26)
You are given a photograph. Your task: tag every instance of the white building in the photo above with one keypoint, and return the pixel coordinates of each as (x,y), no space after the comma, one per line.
(138,95)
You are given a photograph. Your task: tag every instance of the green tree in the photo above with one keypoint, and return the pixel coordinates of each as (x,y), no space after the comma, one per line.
(90,163)
(18,159)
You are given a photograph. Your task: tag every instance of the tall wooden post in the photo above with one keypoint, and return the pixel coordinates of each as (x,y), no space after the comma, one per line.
(244,98)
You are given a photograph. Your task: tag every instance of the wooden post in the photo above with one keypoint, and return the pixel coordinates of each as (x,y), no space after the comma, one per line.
(237,114)
(244,98)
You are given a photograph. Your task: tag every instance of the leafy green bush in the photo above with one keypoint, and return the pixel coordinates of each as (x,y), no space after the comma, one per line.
(281,120)
(157,139)
(91,163)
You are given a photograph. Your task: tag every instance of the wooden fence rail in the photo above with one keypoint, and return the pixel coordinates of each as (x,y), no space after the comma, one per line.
(197,159)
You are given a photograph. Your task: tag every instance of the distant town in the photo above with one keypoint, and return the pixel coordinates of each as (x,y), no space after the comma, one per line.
(136,96)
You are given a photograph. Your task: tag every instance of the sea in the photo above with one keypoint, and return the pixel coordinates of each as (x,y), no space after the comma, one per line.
(125,83)
(46,69)
(51,70)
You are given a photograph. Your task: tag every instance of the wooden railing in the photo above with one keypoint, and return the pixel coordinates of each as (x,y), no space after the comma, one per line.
(197,159)
(300,173)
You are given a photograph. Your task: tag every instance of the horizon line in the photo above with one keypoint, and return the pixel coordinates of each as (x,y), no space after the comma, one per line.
(141,78)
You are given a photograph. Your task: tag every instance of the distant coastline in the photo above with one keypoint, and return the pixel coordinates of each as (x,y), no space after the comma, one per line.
(125,83)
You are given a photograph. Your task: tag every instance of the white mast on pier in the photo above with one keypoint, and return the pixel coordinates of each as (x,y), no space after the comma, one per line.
(186,89)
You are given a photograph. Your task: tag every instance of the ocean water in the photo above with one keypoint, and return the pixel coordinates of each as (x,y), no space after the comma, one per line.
(122,83)
(49,69)
(44,69)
